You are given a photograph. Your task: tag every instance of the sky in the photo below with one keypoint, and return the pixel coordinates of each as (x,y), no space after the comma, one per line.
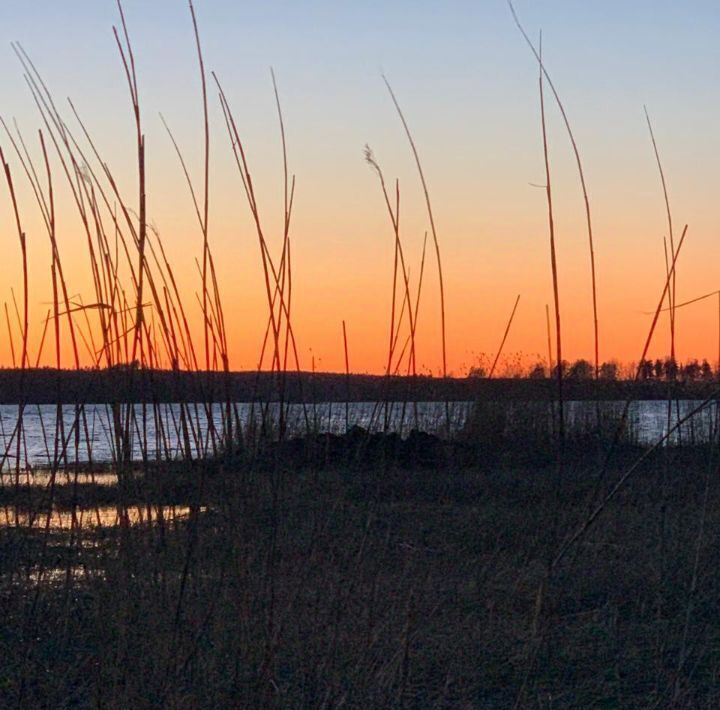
(468,86)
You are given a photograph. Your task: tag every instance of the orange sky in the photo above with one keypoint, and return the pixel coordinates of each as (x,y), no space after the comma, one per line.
(477,128)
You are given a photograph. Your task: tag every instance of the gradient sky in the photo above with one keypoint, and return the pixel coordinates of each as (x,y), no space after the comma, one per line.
(468,86)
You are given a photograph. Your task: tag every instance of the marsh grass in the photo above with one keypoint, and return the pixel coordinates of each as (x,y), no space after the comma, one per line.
(394,587)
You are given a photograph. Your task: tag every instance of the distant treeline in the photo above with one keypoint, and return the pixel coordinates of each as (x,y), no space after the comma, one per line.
(661,369)
(126,384)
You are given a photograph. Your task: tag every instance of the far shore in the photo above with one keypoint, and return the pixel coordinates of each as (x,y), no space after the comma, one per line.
(51,386)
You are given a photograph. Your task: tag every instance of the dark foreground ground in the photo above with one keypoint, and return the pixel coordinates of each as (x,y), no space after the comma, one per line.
(375,583)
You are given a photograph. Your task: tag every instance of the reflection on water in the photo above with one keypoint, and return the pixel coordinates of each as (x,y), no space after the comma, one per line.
(162,433)
(83,533)
(42,478)
(93,518)
(59,575)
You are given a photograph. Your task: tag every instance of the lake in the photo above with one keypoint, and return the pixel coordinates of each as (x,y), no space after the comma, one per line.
(161,428)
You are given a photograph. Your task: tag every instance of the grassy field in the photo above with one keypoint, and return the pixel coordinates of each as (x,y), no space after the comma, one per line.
(375,585)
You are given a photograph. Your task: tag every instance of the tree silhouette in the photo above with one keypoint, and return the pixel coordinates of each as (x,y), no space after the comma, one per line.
(581,370)
(671,369)
(646,370)
(609,371)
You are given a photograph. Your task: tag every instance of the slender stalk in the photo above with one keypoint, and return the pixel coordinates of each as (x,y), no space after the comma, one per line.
(549,340)
(128,60)
(671,292)
(504,338)
(433,230)
(206,164)
(394,213)
(553,256)
(347,379)
(583,184)
(10,335)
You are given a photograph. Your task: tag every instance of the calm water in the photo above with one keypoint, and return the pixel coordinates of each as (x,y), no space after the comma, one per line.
(648,422)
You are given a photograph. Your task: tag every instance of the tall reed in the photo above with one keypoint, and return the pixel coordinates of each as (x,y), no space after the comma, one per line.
(504,338)
(433,231)
(583,184)
(553,254)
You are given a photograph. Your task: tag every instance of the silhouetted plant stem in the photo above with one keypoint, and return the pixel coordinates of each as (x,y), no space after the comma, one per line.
(504,338)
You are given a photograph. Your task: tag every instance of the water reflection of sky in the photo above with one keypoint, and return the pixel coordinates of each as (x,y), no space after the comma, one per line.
(92,518)
(161,429)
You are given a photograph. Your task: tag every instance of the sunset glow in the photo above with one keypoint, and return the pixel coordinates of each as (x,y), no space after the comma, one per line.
(468,86)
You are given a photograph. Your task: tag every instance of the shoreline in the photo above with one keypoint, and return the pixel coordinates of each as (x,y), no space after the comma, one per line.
(123,385)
